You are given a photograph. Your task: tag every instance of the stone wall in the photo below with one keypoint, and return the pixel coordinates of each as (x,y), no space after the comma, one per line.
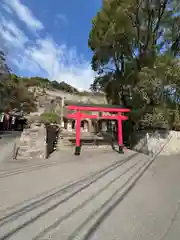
(53,94)
(151,142)
(173,147)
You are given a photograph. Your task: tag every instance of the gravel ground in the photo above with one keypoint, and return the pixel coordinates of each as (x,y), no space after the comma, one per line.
(151,210)
(99,195)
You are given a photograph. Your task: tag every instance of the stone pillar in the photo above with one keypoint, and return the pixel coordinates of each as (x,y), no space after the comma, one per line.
(86,127)
(62,112)
(69,126)
(90,126)
(62,124)
(104,126)
(65,124)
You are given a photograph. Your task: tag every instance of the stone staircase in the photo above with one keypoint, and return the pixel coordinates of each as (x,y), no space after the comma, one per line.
(32,143)
(63,142)
(67,140)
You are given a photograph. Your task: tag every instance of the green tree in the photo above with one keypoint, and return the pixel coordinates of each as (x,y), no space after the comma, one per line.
(4,75)
(127,39)
(14,94)
(49,117)
(176,123)
(4,69)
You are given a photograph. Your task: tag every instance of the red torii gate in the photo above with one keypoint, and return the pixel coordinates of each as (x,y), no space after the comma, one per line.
(79,115)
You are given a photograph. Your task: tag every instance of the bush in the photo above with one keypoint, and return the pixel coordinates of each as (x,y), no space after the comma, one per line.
(49,117)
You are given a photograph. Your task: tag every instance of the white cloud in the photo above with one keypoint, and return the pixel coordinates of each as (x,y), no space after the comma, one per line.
(44,56)
(11,33)
(7,8)
(24,14)
(61,63)
(61,18)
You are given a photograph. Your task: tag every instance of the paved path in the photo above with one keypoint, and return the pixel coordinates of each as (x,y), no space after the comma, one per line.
(91,197)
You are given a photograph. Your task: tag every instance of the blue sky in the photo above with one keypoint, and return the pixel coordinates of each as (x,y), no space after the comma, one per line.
(49,38)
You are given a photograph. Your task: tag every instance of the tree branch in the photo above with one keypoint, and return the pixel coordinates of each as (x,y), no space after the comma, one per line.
(149,28)
(161,11)
(107,68)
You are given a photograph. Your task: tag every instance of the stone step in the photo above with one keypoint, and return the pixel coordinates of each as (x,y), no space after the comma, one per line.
(61,144)
(23,149)
(34,141)
(23,144)
(65,140)
(29,150)
(30,154)
(86,147)
(29,144)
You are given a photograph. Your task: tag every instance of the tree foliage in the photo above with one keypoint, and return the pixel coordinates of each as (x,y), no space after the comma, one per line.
(15,95)
(176,122)
(135,44)
(49,117)
(4,69)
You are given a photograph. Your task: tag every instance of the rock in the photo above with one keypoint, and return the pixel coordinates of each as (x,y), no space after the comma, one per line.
(32,143)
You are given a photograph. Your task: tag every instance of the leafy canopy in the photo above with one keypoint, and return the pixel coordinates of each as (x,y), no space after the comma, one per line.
(135,45)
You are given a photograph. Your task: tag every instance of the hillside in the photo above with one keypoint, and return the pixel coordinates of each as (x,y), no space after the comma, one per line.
(23,93)
(54,85)
(50,99)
